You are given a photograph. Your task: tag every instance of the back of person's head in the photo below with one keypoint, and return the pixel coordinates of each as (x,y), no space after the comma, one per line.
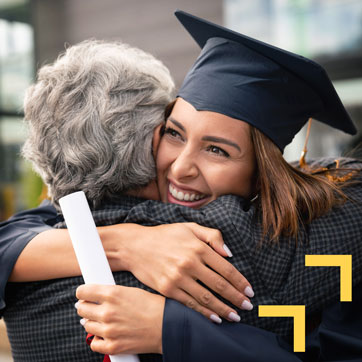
(91,117)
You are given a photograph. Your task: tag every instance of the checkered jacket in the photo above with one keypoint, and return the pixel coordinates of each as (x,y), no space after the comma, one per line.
(42,322)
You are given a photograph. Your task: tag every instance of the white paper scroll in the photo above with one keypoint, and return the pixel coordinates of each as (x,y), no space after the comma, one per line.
(88,247)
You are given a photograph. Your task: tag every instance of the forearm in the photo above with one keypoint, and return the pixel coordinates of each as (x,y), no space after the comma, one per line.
(121,243)
(167,258)
(16,233)
(50,254)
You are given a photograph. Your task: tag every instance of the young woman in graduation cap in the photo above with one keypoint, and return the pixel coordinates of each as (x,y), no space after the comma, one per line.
(240,105)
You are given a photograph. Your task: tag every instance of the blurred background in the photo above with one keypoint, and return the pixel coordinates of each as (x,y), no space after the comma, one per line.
(34,32)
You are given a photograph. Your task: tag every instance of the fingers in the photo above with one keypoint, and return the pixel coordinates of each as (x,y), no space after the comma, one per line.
(89,311)
(213,271)
(221,286)
(98,293)
(102,346)
(229,273)
(107,346)
(212,237)
(129,320)
(93,327)
(190,302)
(90,292)
(104,340)
(208,301)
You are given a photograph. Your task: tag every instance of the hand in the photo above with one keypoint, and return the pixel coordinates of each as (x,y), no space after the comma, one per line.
(123,320)
(171,258)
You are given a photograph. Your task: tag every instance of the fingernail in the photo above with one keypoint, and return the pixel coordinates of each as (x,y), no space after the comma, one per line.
(215,318)
(249,292)
(246,305)
(234,317)
(228,252)
(83,321)
(76,305)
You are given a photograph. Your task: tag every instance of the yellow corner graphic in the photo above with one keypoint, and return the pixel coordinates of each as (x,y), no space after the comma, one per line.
(295,311)
(345,264)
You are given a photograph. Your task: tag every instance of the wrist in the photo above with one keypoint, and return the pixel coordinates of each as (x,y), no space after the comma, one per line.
(119,242)
(157,323)
(113,242)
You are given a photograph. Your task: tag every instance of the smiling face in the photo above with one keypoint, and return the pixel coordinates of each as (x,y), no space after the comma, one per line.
(202,156)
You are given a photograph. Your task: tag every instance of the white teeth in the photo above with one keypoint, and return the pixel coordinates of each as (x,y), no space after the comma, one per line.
(183,196)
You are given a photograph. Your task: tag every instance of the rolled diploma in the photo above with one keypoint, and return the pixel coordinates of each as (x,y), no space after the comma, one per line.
(88,247)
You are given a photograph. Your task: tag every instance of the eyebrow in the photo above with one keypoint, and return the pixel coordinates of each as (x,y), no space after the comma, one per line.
(221,140)
(207,138)
(176,123)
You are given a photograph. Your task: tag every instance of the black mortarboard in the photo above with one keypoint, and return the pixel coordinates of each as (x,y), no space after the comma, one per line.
(273,90)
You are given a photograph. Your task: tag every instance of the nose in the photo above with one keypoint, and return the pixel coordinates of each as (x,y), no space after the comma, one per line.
(184,166)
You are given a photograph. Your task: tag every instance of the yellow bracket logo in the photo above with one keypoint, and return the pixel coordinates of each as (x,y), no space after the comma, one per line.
(295,311)
(345,264)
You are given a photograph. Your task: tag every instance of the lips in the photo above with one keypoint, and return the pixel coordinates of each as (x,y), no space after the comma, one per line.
(184,195)
(189,198)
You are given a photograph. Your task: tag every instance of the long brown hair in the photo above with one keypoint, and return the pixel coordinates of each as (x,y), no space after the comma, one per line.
(289,196)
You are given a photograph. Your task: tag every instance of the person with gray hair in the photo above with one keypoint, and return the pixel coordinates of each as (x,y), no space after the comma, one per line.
(89,113)
(92,116)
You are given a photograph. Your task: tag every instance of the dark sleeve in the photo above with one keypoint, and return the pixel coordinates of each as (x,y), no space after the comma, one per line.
(187,336)
(339,336)
(15,234)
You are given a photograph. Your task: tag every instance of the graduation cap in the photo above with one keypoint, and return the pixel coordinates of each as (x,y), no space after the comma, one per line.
(271,89)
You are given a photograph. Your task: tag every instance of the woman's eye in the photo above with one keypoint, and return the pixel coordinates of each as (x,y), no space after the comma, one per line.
(218,151)
(172,132)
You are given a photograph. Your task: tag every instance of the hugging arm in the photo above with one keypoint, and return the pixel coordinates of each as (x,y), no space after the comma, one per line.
(168,327)
(189,337)
(40,251)
(168,258)
(181,334)
(15,234)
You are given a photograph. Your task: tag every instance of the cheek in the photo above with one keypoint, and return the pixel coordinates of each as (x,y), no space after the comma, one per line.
(236,180)
(244,186)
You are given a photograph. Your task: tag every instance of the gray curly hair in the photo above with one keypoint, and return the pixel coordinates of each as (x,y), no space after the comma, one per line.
(91,117)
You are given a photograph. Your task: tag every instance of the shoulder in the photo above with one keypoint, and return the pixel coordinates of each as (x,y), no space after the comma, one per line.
(332,162)
(337,162)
